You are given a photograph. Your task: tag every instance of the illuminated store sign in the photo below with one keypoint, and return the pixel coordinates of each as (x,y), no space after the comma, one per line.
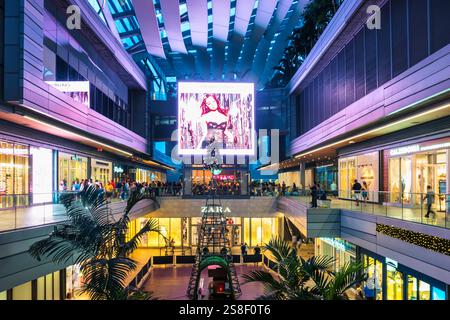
(336,243)
(216,209)
(391,263)
(118,170)
(78,90)
(417,148)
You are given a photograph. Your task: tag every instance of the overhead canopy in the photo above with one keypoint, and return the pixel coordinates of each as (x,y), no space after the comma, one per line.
(208,40)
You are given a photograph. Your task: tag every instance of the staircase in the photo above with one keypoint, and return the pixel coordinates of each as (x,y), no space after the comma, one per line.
(213,241)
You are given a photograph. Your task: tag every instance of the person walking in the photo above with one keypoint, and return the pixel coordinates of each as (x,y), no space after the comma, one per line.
(257,250)
(314,195)
(365,192)
(333,188)
(357,191)
(244,249)
(430,200)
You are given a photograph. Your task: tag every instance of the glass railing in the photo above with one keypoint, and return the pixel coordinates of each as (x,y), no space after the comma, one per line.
(30,210)
(432,209)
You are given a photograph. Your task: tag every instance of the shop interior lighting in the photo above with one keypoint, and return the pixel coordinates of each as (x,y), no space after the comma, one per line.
(376,129)
(79,135)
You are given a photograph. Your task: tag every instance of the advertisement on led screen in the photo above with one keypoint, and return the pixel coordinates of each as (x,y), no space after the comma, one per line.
(78,90)
(222,113)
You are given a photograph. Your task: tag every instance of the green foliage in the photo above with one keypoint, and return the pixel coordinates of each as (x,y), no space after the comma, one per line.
(316,17)
(97,241)
(300,279)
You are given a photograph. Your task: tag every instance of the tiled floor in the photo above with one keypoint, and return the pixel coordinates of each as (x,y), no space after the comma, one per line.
(171,283)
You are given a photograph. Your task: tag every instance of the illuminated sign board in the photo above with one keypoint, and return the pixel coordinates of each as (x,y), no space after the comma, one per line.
(417,148)
(220,112)
(216,209)
(78,90)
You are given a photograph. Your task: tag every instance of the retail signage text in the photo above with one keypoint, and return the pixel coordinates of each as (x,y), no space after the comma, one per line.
(417,148)
(216,209)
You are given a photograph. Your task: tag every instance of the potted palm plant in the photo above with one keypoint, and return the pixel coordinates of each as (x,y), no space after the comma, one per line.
(96,241)
(299,279)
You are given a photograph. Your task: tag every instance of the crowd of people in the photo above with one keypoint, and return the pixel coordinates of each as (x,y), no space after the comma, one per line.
(258,189)
(124,187)
(219,188)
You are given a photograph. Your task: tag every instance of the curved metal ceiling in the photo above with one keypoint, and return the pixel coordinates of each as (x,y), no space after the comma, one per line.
(206,39)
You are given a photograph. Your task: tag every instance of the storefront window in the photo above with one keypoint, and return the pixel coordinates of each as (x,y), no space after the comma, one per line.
(424,290)
(247,231)
(22,292)
(343,180)
(394,284)
(74,281)
(412,288)
(373,287)
(101,171)
(438,294)
(14,180)
(42,176)
(3,295)
(364,168)
(70,169)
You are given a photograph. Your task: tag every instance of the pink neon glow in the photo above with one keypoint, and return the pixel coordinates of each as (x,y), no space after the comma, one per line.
(221,111)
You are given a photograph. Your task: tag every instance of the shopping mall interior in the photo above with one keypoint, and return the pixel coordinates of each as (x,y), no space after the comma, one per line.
(224,150)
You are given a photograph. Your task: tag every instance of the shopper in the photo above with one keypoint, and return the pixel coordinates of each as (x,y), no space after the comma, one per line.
(314,195)
(333,188)
(257,250)
(365,192)
(430,200)
(244,249)
(357,191)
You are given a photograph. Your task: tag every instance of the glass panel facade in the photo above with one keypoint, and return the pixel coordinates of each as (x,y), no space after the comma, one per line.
(14,176)
(70,169)
(42,174)
(394,284)
(22,292)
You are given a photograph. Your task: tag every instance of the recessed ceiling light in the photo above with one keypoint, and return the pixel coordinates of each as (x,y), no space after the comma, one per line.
(351,142)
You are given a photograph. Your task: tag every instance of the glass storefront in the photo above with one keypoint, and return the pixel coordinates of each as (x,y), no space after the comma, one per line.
(70,168)
(48,287)
(413,168)
(14,174)
(253,231)
(42,175)
(364,168)
(389,280)
(150,176)
(326,175)
(340,250)
(101,171)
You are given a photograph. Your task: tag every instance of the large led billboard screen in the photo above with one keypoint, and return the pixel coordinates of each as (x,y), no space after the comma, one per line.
(218,112)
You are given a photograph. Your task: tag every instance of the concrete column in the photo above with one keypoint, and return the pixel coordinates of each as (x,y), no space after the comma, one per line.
(302,175)
(187,181)
(244,182)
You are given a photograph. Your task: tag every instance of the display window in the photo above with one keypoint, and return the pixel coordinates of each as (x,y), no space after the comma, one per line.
(410,175)
(150,176)
(365,169)
(394,285)
(373,287)
(101,171)
(326,175)
(42,175)
(170,228)
(70,168)
(14,174)
(340,250)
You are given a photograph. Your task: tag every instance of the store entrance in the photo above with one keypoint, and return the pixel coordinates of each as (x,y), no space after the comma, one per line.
(410,176)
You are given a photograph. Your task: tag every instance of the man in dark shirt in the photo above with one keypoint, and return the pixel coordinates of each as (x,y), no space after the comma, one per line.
(357,190)
(314,195)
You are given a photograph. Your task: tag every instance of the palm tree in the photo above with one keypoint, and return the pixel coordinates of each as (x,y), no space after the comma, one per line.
(300,279)
(96,241)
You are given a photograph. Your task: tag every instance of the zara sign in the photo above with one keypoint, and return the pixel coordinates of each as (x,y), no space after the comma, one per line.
(216,209)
